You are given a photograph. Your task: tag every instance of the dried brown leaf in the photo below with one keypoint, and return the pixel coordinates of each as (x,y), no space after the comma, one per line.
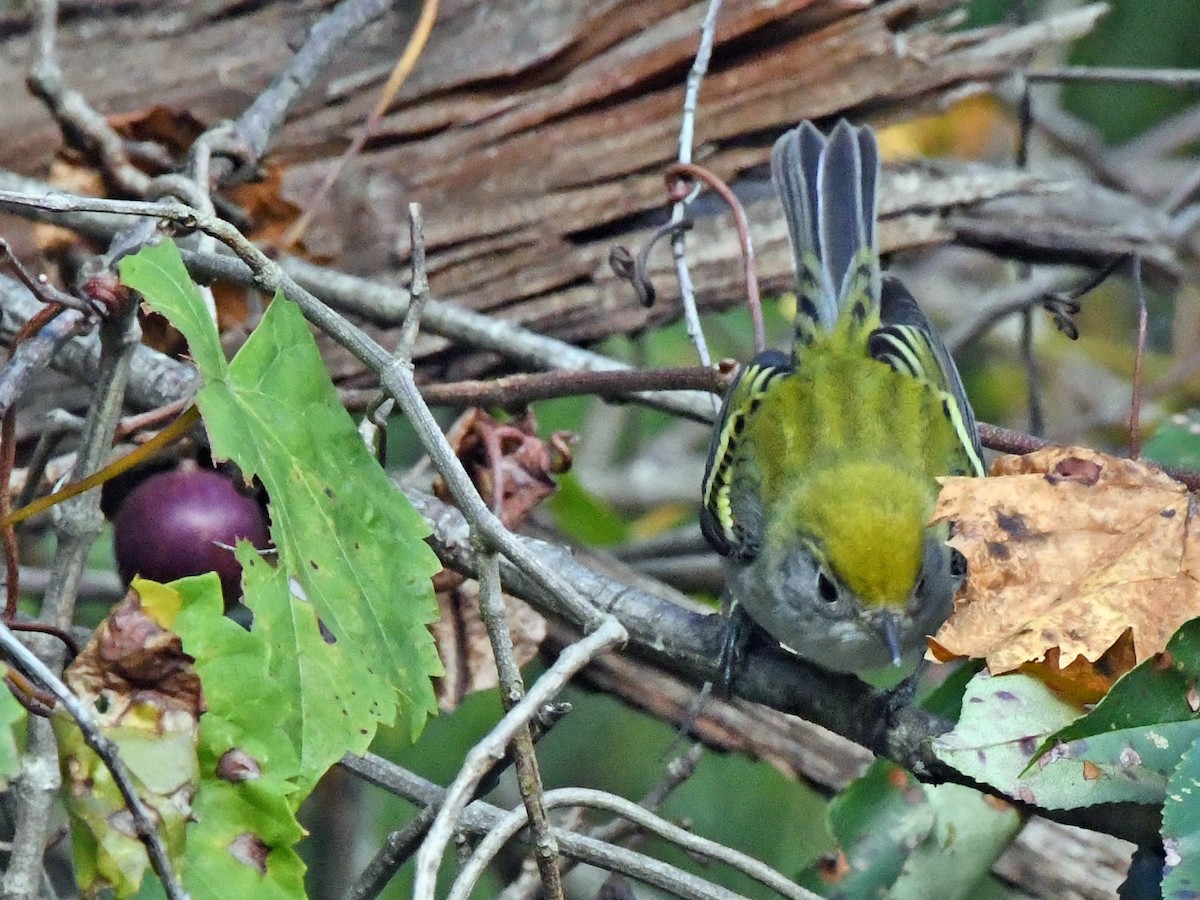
(509,464)
(1067,550)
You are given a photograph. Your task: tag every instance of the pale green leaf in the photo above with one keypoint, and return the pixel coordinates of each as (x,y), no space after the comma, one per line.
(970,833)
(1181,829)
(1006,719)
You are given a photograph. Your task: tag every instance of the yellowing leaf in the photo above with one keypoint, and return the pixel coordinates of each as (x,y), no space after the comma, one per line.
(145,695)
(1068,549)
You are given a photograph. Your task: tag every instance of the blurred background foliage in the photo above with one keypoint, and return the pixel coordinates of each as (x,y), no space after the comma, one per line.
(637,472)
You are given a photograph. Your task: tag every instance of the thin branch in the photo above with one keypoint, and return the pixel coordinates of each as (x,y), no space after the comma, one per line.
(514,391)
(266,115)
(607,635)
(83,126)
(35,354)
(419,290)
(687,127)
(400,845)
(493,612)
(742,226)
(1171,78)
(678,770)
(479,818)
(492,607)
(484,332)
(995,306)
(585,797)
(41,287)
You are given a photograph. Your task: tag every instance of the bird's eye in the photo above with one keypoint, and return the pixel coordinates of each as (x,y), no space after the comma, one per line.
(826,588)
(958,564)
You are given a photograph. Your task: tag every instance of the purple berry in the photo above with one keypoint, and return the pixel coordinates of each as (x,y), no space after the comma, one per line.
(167,526)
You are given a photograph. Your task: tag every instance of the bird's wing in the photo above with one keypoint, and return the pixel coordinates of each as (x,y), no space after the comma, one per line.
(908,342)
(728,534)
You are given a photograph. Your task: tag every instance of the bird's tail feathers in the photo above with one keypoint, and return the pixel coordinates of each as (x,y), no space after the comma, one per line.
(828,188)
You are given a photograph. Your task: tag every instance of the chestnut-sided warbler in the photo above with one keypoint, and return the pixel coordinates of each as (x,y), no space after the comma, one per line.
(822,472)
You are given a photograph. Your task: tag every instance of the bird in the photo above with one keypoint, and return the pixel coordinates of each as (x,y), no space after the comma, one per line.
(823,465)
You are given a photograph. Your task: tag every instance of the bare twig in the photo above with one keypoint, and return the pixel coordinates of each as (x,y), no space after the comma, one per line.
(753,300)
(619,829)
(419,290)
(687,127)
(41,287)
(486,332)
(479,818)
(82,126)
(512,689)
(35,353)
(515,821)
(400,845)
(264,117)
(492,607)
(607,635)
(1171,78)
(8,535)
(519,390)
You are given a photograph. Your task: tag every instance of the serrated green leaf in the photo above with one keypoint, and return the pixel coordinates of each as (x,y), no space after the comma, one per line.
(344,533)
(245,715)
(12,713)
(1181,829)
(326,722)
(246,707)
(158,274)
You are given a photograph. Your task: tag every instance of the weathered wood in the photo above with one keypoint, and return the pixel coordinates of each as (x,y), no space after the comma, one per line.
(535,134)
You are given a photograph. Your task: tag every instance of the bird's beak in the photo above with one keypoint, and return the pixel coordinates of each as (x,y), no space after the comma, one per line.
(889,632)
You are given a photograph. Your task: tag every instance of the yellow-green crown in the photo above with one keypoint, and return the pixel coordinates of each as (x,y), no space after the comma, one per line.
(867,521)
